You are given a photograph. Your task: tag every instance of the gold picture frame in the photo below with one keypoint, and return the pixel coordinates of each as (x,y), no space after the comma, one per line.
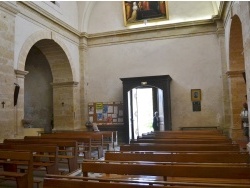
(138,12)
(195,94)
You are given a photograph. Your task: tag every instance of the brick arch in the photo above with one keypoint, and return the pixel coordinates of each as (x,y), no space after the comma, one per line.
(55,51)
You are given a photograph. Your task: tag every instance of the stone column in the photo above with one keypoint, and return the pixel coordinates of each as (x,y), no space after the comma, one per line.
(19,108)
(236,82)
(83,91)
(65,105)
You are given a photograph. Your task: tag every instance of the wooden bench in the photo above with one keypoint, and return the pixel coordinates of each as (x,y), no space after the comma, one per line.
(8,160)
(188,132)
(181,141)
(198,172)
(67,148)
(93,141)
(52,181)
(179,147)
(84,143)
(206,137)
(109,137)
(188,128)
(242,157)
(44,156)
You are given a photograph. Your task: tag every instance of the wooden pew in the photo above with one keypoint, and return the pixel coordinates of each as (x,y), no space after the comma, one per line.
(8,161)
(84,143)
(44,156)
(52,181)
(242,157)
(181,141)
(179,147)
(95,142)
(206,137)
(67,151)
(188,132)
(198,172)
(109,137)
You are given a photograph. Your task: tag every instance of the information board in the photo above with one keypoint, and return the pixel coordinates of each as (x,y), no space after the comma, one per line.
(103,113)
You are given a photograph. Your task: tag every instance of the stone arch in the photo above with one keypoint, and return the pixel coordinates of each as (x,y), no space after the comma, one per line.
(46,43)
(237,74)
(65,90)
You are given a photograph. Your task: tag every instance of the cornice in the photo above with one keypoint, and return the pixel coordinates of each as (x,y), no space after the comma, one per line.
(9,6)
(149,28)
(113,38)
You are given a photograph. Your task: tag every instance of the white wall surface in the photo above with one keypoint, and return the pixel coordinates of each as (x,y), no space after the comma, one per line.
(66,11)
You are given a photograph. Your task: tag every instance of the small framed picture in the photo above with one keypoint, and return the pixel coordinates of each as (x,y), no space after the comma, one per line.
(195,95)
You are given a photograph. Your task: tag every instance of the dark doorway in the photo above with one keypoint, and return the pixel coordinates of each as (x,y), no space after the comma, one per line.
(160,89)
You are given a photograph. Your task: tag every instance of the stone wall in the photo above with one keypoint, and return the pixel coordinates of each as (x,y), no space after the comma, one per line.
(7,76)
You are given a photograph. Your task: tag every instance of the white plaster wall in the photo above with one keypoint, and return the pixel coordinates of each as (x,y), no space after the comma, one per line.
(108,15)
(192,62)
(23,30)
(66,11)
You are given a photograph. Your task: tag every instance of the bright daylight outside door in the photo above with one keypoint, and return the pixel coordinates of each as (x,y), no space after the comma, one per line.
(142,102)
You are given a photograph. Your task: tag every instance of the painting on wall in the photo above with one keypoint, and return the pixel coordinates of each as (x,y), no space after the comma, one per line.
(137,12)
(195,94)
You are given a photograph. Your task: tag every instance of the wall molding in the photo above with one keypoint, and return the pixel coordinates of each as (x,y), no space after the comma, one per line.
(233,74)
(21,73)
(65,84)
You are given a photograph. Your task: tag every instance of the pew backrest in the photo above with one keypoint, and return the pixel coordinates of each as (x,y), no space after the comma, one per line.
(179,147)
(9,159)
(180,157)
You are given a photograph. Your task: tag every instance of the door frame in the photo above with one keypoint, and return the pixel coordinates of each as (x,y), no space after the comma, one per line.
(161,82)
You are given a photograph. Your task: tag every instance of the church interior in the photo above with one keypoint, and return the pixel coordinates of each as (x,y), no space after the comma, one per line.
(80,88)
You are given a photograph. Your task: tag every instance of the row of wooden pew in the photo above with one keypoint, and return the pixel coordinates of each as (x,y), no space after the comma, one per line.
(169,158)
(47,152)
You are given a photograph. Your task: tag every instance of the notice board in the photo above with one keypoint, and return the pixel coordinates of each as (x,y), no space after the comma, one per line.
(105,113)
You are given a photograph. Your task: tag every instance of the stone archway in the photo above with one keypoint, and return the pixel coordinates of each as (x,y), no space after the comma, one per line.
(65,88)
(236,74)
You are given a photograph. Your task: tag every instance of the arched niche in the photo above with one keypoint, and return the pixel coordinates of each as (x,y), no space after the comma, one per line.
(161,82)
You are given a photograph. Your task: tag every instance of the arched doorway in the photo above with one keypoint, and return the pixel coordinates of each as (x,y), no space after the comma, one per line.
(236,74)
(158,83)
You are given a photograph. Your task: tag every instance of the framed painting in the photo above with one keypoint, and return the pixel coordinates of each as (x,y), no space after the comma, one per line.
(195,95)
(137,12)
